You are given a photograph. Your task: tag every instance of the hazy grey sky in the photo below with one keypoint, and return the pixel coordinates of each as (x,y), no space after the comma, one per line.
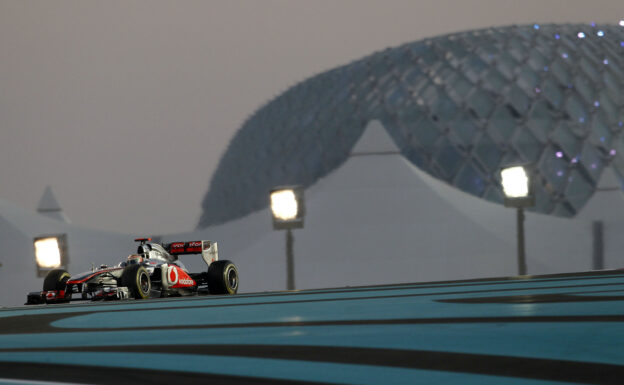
(125,107)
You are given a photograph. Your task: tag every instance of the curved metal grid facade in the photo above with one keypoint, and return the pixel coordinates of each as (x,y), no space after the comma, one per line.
(458,106)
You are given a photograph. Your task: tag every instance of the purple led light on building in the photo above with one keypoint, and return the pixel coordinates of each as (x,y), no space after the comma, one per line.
(559,154)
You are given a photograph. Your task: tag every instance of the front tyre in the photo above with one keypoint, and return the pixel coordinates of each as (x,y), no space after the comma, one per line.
(56,280)
(222,277)
(137,280)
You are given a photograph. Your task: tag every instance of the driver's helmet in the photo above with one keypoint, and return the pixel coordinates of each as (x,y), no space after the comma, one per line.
(134,259)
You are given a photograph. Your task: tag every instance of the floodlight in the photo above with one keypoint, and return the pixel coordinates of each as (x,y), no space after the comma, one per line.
(47,253)
(284,205)
(287,207)
(517,182)
(517,186)
(50,253)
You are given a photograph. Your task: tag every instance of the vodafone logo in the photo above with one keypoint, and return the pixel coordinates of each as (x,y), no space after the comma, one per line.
(172,275)
(177,278)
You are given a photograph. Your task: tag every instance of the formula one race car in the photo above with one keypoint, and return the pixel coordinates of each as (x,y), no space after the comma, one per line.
(154,271)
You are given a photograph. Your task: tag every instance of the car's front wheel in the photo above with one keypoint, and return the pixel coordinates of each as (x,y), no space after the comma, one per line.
(56,280)
(137,280)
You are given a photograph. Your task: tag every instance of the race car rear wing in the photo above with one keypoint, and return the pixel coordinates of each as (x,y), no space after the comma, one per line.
(208,250)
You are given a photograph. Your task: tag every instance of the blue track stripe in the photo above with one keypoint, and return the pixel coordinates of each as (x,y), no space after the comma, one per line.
(394,308)
(526,340)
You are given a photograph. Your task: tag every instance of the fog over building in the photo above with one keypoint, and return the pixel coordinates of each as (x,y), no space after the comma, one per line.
(399,153)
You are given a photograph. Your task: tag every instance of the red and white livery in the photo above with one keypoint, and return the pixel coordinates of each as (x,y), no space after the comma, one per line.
(153,271)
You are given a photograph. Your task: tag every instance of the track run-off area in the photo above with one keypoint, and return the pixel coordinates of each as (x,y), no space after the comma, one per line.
(555,329)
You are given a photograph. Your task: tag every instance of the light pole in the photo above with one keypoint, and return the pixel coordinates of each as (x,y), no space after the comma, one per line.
(517,182)
(288,209)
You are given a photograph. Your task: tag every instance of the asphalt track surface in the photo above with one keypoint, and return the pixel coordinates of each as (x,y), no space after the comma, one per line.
(557,329)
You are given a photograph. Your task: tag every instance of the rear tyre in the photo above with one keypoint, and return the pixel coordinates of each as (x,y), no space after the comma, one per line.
(137,280)
(222,278)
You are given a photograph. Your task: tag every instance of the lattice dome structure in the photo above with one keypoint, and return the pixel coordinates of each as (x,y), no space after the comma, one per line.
(458,106)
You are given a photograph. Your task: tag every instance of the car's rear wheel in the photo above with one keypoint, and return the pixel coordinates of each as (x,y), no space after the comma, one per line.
(222,278)
(137,280)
